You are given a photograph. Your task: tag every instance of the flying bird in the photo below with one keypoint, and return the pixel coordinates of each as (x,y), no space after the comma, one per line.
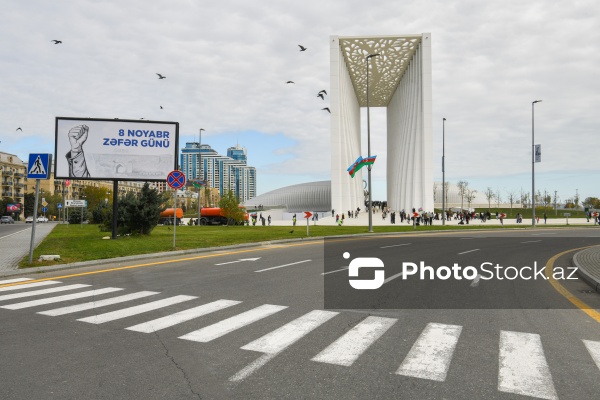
(160,76)
(19,129)
(302,48)
(291,82)
(326,109)
(321,96)
(161,107)
(56,41)
(324,92)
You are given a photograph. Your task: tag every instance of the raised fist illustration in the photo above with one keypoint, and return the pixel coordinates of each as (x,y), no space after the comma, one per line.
(77,137)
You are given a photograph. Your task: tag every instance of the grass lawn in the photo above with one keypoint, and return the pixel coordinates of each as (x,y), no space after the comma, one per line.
(76,243)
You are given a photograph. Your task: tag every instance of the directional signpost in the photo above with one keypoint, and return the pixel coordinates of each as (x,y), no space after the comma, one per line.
(307,215)
(176,180)
(37,168)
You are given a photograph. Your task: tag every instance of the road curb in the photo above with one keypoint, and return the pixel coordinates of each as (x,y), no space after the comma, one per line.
(583,271)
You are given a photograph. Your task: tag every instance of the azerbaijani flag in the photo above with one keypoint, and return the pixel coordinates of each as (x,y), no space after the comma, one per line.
(359,163)
(198,184)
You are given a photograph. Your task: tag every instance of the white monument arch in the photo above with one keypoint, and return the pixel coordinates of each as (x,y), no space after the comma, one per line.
(400,80)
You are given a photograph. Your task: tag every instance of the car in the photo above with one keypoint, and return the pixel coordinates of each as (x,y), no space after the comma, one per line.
(29,220)
(7,220)
(42,219)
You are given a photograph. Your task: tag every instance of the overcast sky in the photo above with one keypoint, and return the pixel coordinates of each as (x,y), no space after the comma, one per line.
(227,62)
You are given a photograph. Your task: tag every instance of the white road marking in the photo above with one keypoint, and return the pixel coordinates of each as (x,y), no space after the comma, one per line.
(475,282)
(135,310)
(57,299)
(532,241)
(228,325)
(182,316)
(468,251)
(275,342)
(468,238)
(523,367)
(28,285)
(96,304)
(430,355)
(282,266)
(395,245)
(15,233)
(346,350)
(14,280)
(252,367)
(392,278)
(240,260)
(594,349)
(337,270)
(42,291)
(290,333)
(540,234)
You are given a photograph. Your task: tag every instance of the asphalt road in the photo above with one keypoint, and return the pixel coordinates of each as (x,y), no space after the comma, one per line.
(214,327)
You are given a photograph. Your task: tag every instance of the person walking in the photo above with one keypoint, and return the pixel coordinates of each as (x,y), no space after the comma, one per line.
(545,217)
(269,219)
(294,219)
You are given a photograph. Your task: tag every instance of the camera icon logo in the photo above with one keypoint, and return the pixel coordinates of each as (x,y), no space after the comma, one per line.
(365,262)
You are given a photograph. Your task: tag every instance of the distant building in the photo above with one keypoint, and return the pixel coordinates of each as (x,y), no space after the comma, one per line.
(14,177)
(225,173)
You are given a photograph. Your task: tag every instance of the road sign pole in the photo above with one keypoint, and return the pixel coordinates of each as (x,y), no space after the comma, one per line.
(174,215)
(307,227)
(35,206)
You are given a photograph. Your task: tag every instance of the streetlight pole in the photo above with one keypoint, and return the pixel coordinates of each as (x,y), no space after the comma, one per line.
(443,171)
(369,145)
(199,172)
(533,163)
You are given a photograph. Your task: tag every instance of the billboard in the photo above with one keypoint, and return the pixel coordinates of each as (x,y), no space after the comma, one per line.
(115,149)
(13,208)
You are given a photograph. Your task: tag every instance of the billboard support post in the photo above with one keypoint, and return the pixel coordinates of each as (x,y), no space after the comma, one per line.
(115,211)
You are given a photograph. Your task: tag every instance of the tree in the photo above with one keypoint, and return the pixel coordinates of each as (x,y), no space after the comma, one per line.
(591,202)
(498,200)
(230,206)
(546,199)
(489,195)
(462,191)
(29,200)
(435,188)
(556,199)
(470,196)
(576,200)
(525,199)
(512,197)
(137,213)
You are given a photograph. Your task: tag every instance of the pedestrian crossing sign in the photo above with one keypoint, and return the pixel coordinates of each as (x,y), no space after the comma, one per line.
(39,166)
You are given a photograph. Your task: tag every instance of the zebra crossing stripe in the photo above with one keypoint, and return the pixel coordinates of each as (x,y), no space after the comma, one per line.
(28,285)
(430,355)
(290,333)
(14,280)
(523,367)
(135,310)
(275,342)
(182,316)
(42,291)
(594,349)
(228,325)
(97,304)
(50,300)
(346,350)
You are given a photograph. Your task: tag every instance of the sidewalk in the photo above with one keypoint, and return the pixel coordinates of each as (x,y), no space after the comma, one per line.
(16,246)
(588,263)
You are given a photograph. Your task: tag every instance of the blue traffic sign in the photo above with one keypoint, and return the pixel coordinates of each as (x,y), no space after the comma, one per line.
(59,205)
(176,179)
(44,209)
(39,166)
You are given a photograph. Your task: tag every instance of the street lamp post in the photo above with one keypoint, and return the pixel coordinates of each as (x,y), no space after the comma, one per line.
(199,171)
(443,171)
(533,163)
(369,145)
